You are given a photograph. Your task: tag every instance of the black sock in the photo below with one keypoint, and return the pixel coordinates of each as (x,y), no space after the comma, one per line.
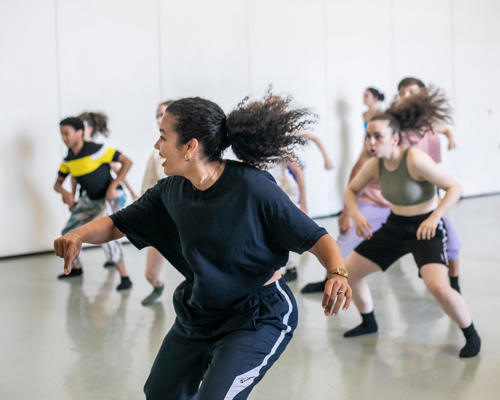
(369,325)
(472,342)
(74,272)
(314,287)
(454,283)
(125,283)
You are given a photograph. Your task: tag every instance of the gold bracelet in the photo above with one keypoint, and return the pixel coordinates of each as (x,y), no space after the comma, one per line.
(339,271)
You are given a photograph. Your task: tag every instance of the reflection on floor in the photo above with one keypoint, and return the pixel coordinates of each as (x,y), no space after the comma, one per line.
(83,340)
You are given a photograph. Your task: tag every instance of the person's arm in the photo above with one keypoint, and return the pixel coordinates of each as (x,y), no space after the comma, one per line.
(321,147)
(368,172)
(301,183)
(344,221)
(150,177)
(67,197)
(337,289)
(115,169)
(422,168)
(439,128)
(73,186)
(120,175)
(99,231)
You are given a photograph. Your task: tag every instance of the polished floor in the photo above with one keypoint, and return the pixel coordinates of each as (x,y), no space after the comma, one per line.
(81,339)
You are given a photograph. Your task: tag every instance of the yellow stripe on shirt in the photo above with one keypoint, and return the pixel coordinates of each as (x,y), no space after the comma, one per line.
(86,165)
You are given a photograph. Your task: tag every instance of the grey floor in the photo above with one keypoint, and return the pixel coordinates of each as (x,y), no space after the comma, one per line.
(83,340)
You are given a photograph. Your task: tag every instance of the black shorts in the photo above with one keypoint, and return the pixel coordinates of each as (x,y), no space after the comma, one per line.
(398,236)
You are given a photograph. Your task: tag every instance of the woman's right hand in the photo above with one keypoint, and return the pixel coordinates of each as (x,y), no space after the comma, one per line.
(68,247)
(363,227)
(337,291)
(345,222)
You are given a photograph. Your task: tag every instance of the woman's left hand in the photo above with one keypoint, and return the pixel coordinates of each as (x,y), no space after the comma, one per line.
(336,291)
(427,229)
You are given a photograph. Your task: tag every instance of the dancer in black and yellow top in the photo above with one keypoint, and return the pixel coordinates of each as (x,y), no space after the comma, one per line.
(89,164)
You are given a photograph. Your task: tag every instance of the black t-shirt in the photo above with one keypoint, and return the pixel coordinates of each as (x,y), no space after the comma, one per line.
(91,168)
(227,240)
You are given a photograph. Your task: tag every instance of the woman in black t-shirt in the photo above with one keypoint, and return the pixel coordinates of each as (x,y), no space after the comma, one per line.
(228,228)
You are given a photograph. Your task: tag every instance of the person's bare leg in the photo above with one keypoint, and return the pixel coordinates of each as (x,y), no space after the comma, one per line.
(154,264)
(453,274)
(435,277)
(453,267)
(359,267)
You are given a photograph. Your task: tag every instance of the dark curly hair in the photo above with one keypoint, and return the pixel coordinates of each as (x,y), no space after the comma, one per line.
(74,122)
(419,112)
(98,121)
(260,133)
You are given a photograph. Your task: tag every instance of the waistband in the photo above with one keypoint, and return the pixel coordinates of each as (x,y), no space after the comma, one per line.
(409,219)
(272,287)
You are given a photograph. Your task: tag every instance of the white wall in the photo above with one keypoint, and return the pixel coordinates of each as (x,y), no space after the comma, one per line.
(61,57)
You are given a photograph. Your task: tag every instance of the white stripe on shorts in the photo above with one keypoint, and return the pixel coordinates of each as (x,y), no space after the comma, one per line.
(442,228)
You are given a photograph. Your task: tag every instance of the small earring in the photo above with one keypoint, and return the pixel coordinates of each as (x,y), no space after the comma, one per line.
(186,157)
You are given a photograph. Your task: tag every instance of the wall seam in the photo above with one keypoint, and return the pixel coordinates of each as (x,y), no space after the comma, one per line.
(57,60)
(160,59)
(249,56)
(452,51)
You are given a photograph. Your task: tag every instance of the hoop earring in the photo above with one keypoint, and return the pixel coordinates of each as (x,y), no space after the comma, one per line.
(186,157)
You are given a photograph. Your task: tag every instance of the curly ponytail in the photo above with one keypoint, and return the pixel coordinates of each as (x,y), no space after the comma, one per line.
(265,132)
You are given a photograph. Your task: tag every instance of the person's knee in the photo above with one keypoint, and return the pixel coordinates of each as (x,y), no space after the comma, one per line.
(440,291)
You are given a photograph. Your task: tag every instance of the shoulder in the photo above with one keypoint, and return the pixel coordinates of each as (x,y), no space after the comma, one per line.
(250,180)
(92,147)
(69,156)
(246,172)
(371,164)
(418,158)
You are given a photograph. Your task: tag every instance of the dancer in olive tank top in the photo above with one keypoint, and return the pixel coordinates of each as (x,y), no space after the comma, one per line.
(408,179)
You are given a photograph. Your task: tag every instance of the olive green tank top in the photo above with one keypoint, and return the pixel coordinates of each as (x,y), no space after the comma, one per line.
(400,188)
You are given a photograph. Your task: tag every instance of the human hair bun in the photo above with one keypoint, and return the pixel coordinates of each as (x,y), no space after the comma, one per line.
(376,93)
